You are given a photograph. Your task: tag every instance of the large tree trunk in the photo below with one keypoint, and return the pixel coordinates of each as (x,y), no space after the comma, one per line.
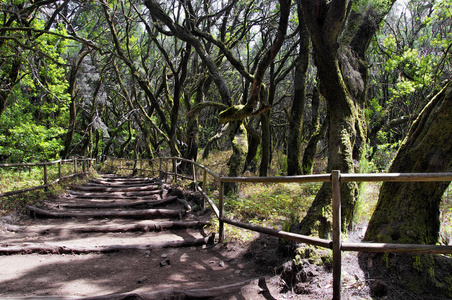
(72,90)
(343,117)
(254,140)
(239,138)
(294,135)
(342,71)
(318,132)
(265,144)
(409,212)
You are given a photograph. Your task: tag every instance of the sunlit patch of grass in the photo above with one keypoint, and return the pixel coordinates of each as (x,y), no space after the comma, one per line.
(271,204)
(367,202)
(13,179)
(275,206)
(217,161)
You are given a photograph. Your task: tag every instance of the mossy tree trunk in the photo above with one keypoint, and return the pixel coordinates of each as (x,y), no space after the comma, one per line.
(318,133)
(310,151)
(294,135)
(238,136)
(266,96)
(72,91)
(339,54)
(342,116)
(254,140)
(409,212)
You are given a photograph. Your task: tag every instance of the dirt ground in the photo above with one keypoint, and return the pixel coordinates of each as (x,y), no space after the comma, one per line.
(255,265)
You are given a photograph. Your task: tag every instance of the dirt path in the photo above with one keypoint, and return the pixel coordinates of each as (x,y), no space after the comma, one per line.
(117,235)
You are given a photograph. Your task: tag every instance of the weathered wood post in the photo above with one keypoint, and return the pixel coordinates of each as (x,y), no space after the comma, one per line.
(337,255)
(45,176)
(204,188)
(75,165)
(166,171)
(59,169)
(194,174)
(84,165)
(141,167)
(175,169)
(221,212)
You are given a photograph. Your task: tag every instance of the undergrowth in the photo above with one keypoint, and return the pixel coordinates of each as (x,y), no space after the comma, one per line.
(282,205)
(276,205)
(15,178)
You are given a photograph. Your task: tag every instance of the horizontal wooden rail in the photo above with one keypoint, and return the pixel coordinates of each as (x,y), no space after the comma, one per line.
(282,234)
(280,179)
(396,177)
(44,163)
(43,186)
(397,248)
(204,194)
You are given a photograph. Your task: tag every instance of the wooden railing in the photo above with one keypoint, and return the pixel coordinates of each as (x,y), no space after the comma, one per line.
(85,163)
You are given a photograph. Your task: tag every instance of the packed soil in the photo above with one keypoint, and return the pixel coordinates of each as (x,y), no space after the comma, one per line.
(57,257)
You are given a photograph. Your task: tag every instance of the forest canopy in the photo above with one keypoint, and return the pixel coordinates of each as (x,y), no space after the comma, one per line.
(143,79)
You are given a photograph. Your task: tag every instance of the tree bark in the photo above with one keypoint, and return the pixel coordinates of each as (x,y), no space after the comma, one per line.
(238,135)
(342,71)
(266,137)
(294,137)
(409,212)
(311,149)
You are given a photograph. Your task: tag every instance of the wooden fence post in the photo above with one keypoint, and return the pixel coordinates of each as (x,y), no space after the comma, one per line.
(337,255)
(45,176)
(75,165)
(175,169)
(166,170)
(204,188)
(194,174)
(221,212)
(141,168)
(59,169)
